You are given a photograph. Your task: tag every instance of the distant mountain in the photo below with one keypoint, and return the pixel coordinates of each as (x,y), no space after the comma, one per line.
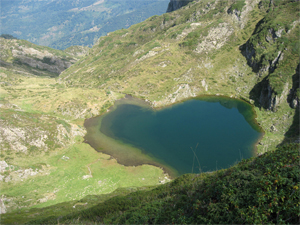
(61,24)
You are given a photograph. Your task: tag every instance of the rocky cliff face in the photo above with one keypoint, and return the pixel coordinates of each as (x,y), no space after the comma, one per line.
(294,94)
(177,4)
(36,59)
(269,99)
(272,53)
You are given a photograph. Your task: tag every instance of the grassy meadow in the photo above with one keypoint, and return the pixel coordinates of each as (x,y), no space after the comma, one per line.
(201,49)
(67,169)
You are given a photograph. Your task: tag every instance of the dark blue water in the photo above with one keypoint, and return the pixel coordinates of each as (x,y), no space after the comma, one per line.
(198,135)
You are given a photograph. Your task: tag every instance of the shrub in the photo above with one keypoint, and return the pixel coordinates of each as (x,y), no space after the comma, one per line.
(238,5)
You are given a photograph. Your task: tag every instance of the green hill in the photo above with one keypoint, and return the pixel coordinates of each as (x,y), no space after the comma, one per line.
(248,51)
(240,49)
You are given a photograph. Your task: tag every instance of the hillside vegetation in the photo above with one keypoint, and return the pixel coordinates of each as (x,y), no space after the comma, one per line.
(205,48)
(240,49)
(43,160)
(27,58)
(256,191)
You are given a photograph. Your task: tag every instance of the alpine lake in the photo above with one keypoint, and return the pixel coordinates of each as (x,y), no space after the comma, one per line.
(200,134)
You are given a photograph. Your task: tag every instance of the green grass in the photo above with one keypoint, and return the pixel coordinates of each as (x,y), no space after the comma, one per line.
(258,190)
(62,177)
(238,5)
(114,68)
(65,125)
(61,180)
(228,74)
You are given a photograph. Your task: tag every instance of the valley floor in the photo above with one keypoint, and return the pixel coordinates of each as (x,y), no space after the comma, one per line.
(45,161)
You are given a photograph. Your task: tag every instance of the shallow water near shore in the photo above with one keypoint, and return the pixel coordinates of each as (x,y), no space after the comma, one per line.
(198,135)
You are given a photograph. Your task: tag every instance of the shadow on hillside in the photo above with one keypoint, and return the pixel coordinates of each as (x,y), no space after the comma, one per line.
(260,89)
(248,50)
(292,135)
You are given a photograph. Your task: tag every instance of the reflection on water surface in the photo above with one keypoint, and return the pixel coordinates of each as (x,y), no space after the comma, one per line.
(200,134)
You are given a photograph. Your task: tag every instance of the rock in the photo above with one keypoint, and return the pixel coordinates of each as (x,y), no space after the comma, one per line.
(273,128)
(3,166)
(269,99)
(273,35)
(215,39)
(293,98)
(148,55)
(2,207)
(241,16)
(294,103)
(65,158)
(177,4)
(86,177)
(236,13)
(17,137)
(41,60)
(55,65)
(138,52)
(203,83)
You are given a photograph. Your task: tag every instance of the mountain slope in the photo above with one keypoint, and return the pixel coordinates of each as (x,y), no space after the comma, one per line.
(256,191)
(43,160)
(39,60)
(240,49)
(204,48)
(61,24)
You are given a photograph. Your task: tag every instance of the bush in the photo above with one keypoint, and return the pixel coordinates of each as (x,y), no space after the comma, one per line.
(238,5)
(260,190)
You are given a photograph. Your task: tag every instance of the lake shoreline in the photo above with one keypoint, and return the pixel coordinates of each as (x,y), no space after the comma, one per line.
(142,103)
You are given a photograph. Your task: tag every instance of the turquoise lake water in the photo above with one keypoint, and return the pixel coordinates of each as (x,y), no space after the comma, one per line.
(198,135)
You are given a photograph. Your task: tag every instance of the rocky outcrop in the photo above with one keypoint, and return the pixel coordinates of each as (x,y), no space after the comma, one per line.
(51,64)
(29,136)
(270,48)
(177,4)
(42,60)
(269,99)
(37,60)
(2,207)
(215,39)
(240,11)
(181,92)
(259,62)
(293,97)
